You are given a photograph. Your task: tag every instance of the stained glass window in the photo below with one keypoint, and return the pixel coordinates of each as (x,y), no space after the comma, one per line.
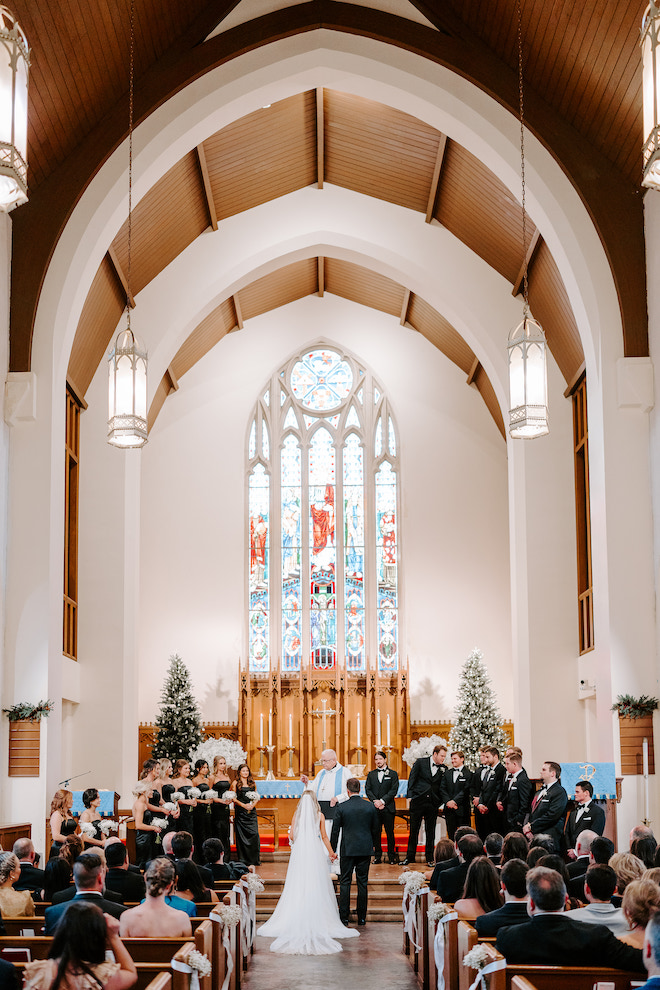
(329,476)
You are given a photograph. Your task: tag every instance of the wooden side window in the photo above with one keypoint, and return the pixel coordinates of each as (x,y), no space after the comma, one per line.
(71,481)
(583,516)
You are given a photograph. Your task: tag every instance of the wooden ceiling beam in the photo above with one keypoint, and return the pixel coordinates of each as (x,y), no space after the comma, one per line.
(119,272)
(206,185)
(404,308)
(531,249)
(174,381)
(320,138)
(237,311)
(435,181)
(321,274)
(474,370)
(441,17)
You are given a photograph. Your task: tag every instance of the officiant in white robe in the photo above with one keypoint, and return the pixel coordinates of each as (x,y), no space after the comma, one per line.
(329,785)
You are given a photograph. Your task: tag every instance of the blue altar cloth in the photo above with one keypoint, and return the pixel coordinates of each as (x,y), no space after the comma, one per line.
(294,788)
(601,776)
(106,807)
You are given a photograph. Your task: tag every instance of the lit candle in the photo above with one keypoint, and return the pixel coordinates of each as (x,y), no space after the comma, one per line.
(358,731)
(290,731)
(388,730)
(261,729)
(378,742)
(270,726)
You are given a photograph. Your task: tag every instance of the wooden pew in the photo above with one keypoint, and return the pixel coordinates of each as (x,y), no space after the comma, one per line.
(466,939)
(551,977)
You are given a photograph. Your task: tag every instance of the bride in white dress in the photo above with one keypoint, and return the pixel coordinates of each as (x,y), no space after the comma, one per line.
(306,919)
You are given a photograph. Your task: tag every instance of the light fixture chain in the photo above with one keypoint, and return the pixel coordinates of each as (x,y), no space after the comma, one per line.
(522,161)
(130,160)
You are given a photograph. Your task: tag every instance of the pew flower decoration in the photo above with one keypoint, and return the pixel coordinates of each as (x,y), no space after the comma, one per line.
(194,793)
(252,796)
(438,910)
(230,914)
(423,746)
(199,963)
(229,796)
(178,795)
(476,958)
(412,880)
(254,883)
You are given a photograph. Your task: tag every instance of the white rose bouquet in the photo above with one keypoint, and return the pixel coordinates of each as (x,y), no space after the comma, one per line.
(194,793)
(229,796)
(253,796)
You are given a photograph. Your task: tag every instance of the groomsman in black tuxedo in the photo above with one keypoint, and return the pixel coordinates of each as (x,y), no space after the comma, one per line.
(424,785)
(455,794)
(516,794)
(548,806)
(381,787)
(585,816)
(487,817)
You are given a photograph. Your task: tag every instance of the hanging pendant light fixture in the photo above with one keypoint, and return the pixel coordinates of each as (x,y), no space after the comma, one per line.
(650,43)
(528,380)
(127,362)
(14,66)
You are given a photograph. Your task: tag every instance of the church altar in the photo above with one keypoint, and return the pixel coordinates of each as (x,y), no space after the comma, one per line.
(294,788)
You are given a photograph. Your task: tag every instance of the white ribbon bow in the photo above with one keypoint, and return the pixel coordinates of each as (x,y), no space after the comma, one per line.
(439,947)
(246,922)
(182,967)
(490,968)
(409,914)
(214,916)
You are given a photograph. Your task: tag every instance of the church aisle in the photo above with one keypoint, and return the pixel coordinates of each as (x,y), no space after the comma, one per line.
(372,961)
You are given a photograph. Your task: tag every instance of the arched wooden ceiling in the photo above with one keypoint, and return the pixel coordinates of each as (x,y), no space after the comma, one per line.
(315,137)
(583,101)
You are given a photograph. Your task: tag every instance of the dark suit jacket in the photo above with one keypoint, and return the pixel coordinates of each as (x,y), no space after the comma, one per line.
(31,878)
(511,913)
(10,978)
(593,818)
(360,825)
(423,785)
(491,785)
(456,790)
(205,874)
(451,883)
(446,864)
(129,886)
(516,800)
(386,790)
(548,815)
(228,871)
(555,940)
(578,867)
(62,896)
(55,912)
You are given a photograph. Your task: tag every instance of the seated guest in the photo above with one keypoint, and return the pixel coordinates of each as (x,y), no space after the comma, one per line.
(514,910)
(553,862)
(627,868)
(88,876)
(600,853)
(641,900)
(534,855)
(444,852)
(640,832)
(481,893)
(72,847)
(653,874)
(214,857)
(31,877)
(599,885)
(450,882)
(543,841)
(13,903)
(551,938)
(644,849)
(447,862)
(77,957)
(580,854)
(189,884)
(514,846)
(57,876)
(154,917)
(651,953)
(183,848)
(167,845)
(493,847)
(129,886)
(112,840)
(69,893)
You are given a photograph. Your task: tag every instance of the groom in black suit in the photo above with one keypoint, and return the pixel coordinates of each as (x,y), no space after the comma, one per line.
(424,785)
(360,830)
(381,788)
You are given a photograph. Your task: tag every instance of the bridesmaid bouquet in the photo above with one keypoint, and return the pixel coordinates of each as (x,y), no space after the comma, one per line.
(178,795)
(87,830)
(253,796)
(211,795)
(107,826)
(229,796)
(168,806)
(194,793)
(159,822)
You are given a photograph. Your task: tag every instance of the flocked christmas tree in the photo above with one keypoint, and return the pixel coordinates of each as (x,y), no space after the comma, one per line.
(477,720)
(179,723)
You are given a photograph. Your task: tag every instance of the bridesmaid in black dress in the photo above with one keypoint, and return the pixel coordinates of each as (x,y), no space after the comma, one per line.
(220,808)
(62,822)
(92,799)
(202,810)
(166,789)
(181,782)
(246,826)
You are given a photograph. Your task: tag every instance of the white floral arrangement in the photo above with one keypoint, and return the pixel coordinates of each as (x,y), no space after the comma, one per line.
(229,796)
(199,962)
(423,746)
(413,880)
(253,796)
(107,826)
(254,883)
(476,958)
(87,829)
(194,793)
(168,806)
(438,910)
(211,795)
(159,822)
(232,751)
(230,914)
(178,795)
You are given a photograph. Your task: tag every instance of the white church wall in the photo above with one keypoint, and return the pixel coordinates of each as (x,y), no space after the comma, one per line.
(454,508)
